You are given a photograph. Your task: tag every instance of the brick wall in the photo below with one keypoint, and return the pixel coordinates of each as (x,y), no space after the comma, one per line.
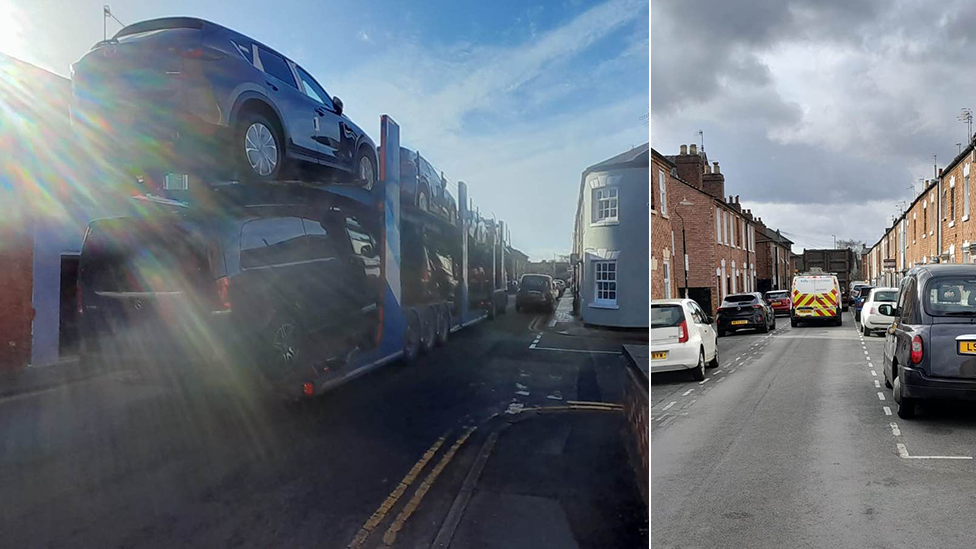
(662,252)
(16,312)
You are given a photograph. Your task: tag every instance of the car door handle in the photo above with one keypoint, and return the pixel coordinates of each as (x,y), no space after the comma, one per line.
(272,86)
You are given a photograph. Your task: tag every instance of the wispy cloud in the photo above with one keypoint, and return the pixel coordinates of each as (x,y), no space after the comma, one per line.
(516,165)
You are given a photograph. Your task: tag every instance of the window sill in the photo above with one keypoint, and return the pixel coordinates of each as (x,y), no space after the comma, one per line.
(603,306)
(606,223)
(965,218)
(923,237)
(952,224)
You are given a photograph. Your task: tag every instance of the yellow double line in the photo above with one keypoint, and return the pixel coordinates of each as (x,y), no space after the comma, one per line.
(380,514)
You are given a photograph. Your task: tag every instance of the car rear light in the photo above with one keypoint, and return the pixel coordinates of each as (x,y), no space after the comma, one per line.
(916,350)
(683,331)
(223,293)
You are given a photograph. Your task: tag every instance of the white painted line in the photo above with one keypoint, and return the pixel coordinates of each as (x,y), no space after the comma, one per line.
(875,374)
(523,393)
(732,370)
(720,380)
(887,411)
(902,451)
(894,429)
(686,393)
(574,350)
(532,346)
(881,395)
(556,396)
(870,365)
(668,407)
(865,351)
(703,381)
(877,384)
(660,417)
(520,386)
(869,358)
(552,323)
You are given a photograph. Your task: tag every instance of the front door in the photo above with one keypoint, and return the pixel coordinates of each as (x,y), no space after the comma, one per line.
(298,110)
(329,125)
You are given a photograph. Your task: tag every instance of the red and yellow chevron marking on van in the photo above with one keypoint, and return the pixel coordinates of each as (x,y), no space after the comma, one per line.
(819,304)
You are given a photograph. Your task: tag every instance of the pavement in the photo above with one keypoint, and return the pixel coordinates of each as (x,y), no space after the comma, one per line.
(123,460)
(792,442)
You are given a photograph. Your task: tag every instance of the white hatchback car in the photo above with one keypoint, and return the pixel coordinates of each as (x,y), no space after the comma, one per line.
(683,337)
(871,319)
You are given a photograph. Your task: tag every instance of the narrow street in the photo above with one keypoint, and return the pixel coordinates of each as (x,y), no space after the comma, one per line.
(122,461)
(793,442)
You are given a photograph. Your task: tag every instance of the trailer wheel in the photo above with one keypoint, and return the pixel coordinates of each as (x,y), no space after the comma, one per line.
(411,336)
(443,324)
(429,329)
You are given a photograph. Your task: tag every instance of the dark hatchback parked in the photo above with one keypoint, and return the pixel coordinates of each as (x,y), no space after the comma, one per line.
(284,290)
(535,290)
(424,187)
(930,349)
(184,95)
(745,311)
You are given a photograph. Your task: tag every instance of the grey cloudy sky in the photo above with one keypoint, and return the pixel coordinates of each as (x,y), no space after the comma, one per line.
(822,113)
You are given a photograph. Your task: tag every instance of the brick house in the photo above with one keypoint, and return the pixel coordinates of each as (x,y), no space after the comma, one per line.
(773,259)
(663,285)
(720,235)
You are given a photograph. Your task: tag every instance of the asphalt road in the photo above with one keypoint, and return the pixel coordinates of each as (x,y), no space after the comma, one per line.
(128,461)
(793,442)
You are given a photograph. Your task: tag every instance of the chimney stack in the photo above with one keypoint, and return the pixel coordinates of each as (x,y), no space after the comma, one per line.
(730,200)
(684,150)
(693,149)
(691,166)
(715,168)
(736,199)
(707,169)
(940,169)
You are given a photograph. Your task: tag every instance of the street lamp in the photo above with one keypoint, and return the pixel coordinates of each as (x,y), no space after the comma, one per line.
(684,248)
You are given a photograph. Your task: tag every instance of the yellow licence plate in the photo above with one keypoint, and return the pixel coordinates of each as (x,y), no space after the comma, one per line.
(737,322)
(967,347)
(659,355)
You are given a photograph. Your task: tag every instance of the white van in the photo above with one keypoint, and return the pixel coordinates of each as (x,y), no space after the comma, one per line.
(815,298)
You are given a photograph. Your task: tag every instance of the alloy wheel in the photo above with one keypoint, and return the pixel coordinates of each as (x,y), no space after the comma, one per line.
(366,171)
(261,149)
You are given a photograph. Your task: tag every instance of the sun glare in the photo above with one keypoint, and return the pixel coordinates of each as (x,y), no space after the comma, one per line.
(11,29)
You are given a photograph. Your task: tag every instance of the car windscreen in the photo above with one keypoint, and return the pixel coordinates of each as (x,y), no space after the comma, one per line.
(534,282)
(889,296)
(737,299)
(950,296)
(666,316)
(776,295)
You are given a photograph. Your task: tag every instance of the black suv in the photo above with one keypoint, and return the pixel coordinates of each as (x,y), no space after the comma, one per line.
(423,186)
(745,311)
(289,286)
(930,348)
(184,95)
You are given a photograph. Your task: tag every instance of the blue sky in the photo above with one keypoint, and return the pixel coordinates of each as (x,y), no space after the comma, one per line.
(515,98)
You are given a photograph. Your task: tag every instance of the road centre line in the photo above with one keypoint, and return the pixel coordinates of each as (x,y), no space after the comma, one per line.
(894,429)
(887,410)
(877,384)
(881,395)
(874,373)
(870,365)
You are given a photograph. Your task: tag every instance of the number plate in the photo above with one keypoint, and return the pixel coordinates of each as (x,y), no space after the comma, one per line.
(738,322)
(967,347)
(659,355)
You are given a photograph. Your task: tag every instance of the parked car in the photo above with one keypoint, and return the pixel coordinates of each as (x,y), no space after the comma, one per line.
(181,94)
(561,286)
(816,298)
(276,289)
(871,318)
(855,287)
(858,300)
(745,311)
(682,338)
(535,290)
(424,187)
(779,300)
(930,349)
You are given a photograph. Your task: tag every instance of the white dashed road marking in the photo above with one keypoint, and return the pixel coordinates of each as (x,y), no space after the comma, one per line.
(703,381)
(894,429)
(875,374)
(881,395)
(877,384)
(887,411)
(668,407)
(686,393)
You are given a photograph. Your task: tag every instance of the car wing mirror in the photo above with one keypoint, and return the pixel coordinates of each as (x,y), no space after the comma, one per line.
(337,103)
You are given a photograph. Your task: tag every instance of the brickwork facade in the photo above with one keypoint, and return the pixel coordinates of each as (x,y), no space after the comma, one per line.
(663,284)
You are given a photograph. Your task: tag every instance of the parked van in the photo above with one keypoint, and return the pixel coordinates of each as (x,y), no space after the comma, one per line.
(815,298)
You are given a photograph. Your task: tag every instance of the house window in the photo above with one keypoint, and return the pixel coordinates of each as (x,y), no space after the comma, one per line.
(662,185)
(606,282)
(952,203)
(667,281)
(925,219)
(965,194)
(718,225)
(660,177)
(605,200)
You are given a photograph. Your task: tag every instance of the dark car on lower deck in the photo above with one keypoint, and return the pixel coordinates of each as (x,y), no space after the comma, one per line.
(287,289)
(930,349)
(745,311)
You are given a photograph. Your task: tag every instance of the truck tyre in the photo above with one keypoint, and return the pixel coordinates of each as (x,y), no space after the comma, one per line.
(411,336)
(258,148)
(429,334)
(443,324)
